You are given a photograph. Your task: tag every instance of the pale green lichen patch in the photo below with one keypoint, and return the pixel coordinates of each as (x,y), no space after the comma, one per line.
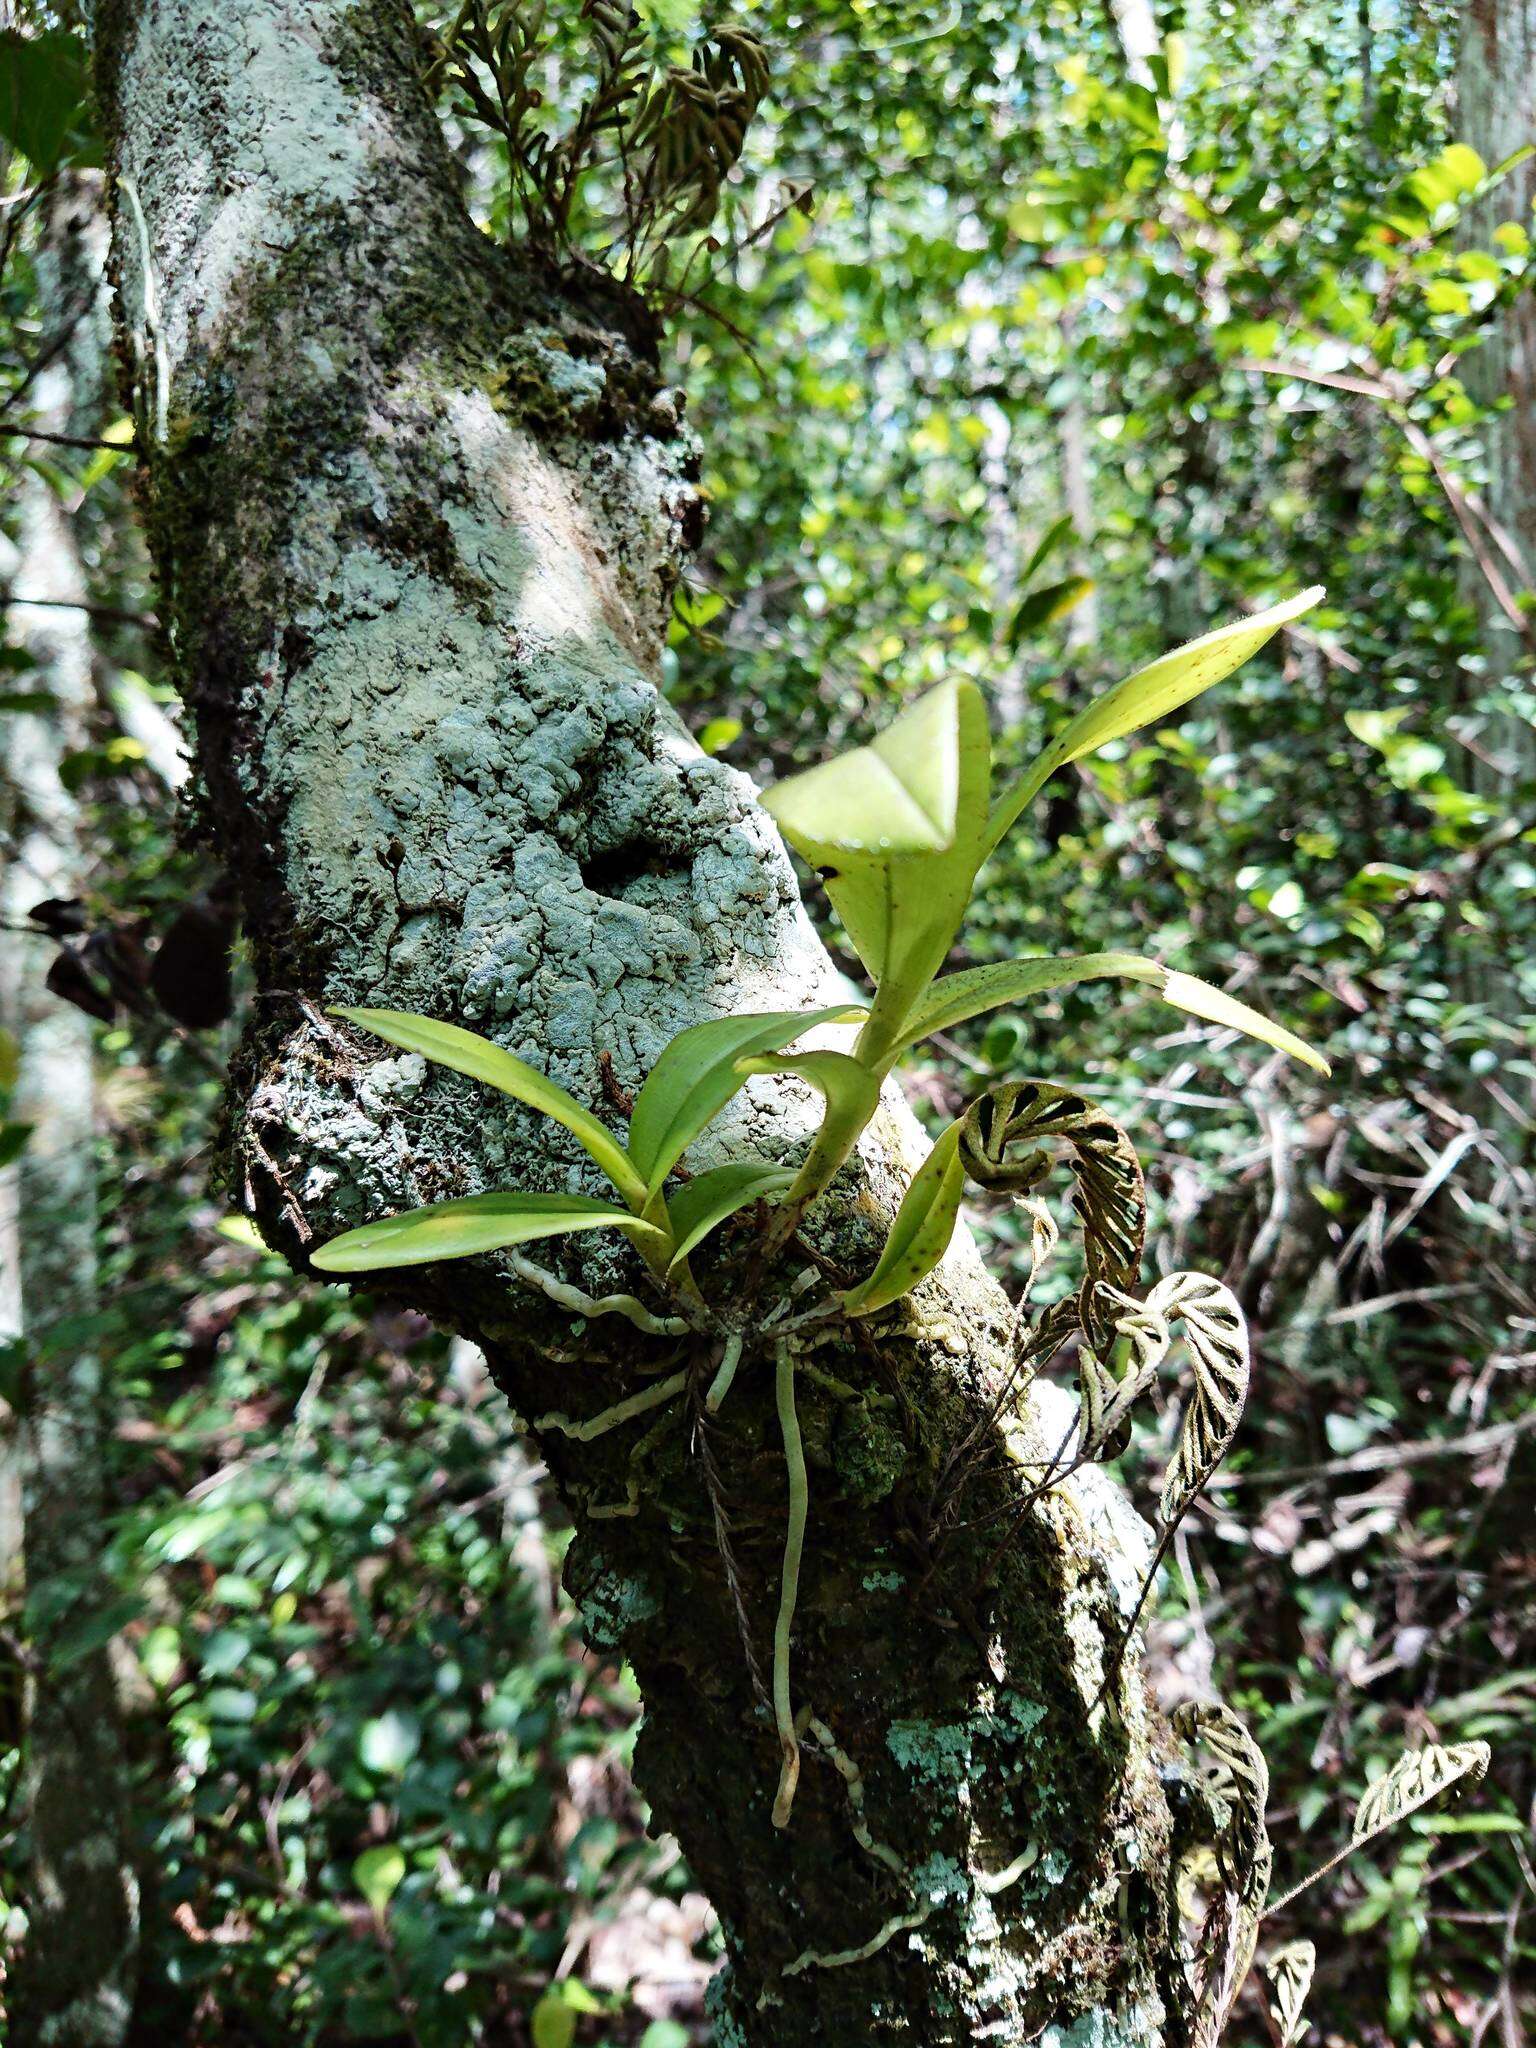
(1140,2027)
(612,1604)
(882,1582)
(933,1754)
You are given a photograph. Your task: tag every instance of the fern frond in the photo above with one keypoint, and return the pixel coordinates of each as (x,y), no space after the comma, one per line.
(1289,1971)
(1003,1140)
(1218,1348)
(1239,1782)
(1418,1776)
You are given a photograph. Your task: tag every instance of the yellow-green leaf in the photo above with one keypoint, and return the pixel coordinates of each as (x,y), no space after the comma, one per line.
(705,1202)
(378,1874)
(920,1235)
(1217,1007)
(699,1072)
(473,1223)
(1151,693)
(954,997)
(900,894)
(450,1045)
(553,2024)
(897,795)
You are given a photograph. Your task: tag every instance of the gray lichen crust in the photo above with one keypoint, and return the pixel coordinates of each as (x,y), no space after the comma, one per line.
(418,513)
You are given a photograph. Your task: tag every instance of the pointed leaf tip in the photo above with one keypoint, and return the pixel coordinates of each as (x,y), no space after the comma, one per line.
(1199,999)
(466,1052)
(900,794)
(472,1223)
(920,1234)
(1150,694)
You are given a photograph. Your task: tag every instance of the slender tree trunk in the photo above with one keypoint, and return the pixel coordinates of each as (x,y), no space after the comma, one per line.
(1077,494)
(1496,109)
(74,1985)
(418,509)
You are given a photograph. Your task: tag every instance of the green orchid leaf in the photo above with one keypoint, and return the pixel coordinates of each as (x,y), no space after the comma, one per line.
(852,1091)
(920,1235)
(954,997)
(900,895)
(473,1223)
(897,795)
(1217,1007)
(449,1045)
(1151,693)
(699,1072)
(709,1198)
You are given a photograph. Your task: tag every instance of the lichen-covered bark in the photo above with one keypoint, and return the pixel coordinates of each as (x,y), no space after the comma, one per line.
(73,1986)
(418,510)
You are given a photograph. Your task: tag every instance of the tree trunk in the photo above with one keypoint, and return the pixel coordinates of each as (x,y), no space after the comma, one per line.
(74,1985)
(1496,109)
(418,508)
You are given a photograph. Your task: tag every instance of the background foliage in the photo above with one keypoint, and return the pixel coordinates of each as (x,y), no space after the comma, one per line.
(1030,391)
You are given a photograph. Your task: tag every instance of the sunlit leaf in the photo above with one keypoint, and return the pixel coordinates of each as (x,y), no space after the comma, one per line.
(921,1232)
(899,836)
(954,997)
(378,1874)
(896,795)
(450,1045)
(1148,695)
(705,1202)
(470,1224)
(388,1743)
(699,1072)
(1217,1007)
(553,2023)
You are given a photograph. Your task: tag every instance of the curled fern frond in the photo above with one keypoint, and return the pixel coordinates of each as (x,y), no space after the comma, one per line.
(1218,1348)
(1105,1397)
(1003,1140)
(1238,1779)
(1289,1971)
(1418,1776)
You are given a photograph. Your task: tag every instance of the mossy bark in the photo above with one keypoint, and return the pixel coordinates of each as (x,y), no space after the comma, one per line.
(418,509)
